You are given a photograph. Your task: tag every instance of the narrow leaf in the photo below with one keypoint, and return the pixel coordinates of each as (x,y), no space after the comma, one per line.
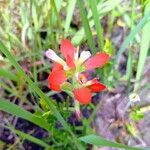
(70,10)
(30,138)
(7,74)
(99,30)
(144,47)
(132,34)
(99,141)
(20,112)
(86,26)
(103,9)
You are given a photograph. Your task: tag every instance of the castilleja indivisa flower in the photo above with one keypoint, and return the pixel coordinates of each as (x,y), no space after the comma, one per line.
(73,69)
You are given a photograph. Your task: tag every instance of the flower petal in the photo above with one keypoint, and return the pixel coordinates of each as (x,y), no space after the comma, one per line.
(96,61)
(67,49)
(54,87)
(70,62)
(83,95)
(94,85)
(56,78)
(57,66)
(84,56)
(54,57)
(97,87)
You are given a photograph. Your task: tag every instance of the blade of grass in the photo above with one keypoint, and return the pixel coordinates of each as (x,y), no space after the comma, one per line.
(103,9)
(8,74)
(70,9)
(86,26)
(132,34)
(29,137)
(20,112)
(7,88)
(144,47)
(57,15)
(130,53)
(99,29)
(37,90)
(99,141)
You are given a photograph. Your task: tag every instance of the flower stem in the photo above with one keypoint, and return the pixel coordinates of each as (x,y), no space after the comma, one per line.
(77,109)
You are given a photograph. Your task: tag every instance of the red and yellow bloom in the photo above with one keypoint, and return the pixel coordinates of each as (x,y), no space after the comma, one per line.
(72,68)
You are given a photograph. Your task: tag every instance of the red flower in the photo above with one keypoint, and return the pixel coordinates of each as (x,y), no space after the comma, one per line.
(84,93)
(75,64)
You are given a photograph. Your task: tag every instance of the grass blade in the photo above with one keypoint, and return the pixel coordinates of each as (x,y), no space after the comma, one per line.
(132,34)
(20,112)
(7,74)
(70,9)
(29,137)
(130,53)
(144,47)
(99,30)
(99,141)
(86,25)
(103,9)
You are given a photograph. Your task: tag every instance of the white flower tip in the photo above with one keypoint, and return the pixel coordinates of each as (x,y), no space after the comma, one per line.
(54,57)
(49,53)
(84,56)
(134,97)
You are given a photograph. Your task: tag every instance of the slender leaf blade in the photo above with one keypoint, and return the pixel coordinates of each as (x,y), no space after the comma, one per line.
(99,30)
(99,141)
(8,74)
(20,112)
(132,34)
(86,26)
(144,47)
(30,138)
(70,9)
(103,9)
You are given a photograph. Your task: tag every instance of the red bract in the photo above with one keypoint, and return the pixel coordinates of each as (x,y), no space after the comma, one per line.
(83,95)
(75,65)
(56,78)
(68,50)
(95,86)
(97,61)
(88,86)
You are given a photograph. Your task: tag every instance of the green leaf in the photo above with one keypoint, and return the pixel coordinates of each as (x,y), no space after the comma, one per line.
(144,47)
(99,29)
(136,115)
(103,9)
(30,138)
(70,9)
(132,34)
(99,141)
(132,130)
(9,107)
(7,74)
(66,86)
(86,26)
